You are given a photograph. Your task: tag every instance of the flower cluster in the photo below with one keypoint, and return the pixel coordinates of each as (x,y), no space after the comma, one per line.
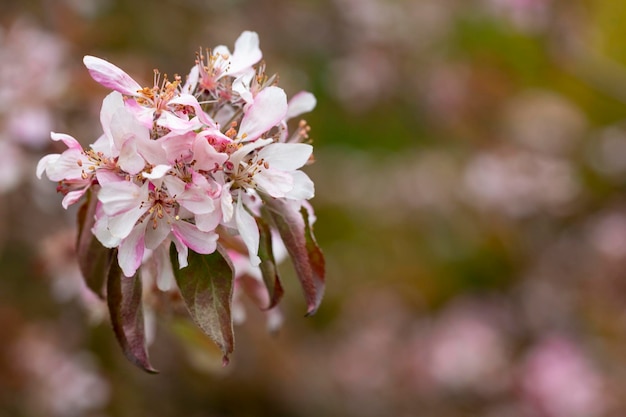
(207,165)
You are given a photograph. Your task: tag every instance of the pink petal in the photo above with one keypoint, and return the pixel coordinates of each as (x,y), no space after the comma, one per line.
(205,154)
(111,76)
(68,140)
(130,251)
(177,147)
(267,110)
(194,239)
(191,101)
(72,197)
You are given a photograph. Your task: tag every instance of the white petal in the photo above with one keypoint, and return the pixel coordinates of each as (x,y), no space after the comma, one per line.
(303,187)
(157,172)
(267,110)
(274,182)
(238,155)
(303,102)
(125,126)
(207,222)
(45,162)
(192,80)
(130,160)
(226,204)
(165,275)
(123,224)
(286,156)
(246,53)
(66,166)
(247,227)
(121,196)
(182,250)
(156,236)
(102,232)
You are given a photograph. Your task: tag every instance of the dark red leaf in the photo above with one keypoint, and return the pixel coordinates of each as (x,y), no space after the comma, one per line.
(206,285)
(124,298)
(94,260)
(268,264)
(306,256)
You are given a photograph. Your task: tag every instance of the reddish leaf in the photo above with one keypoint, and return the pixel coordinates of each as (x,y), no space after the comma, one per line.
(306,256)
(316,257)
(94,260)
(206,285)
(268,264)
(125,307)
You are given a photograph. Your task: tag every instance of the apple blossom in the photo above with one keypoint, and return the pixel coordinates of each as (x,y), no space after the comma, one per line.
(187,180)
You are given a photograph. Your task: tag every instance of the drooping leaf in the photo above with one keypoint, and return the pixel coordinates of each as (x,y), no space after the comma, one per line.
(94,260)
(306,256)
(124,298)
(316,256)
(206,286)
(268,264)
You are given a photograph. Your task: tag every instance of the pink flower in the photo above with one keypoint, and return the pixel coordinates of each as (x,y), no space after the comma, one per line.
(221,63)
(139,217)
(164,105)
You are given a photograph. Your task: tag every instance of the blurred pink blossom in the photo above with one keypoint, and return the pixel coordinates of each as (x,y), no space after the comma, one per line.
(467,349)
(59,383)
(559,380)
(520,183)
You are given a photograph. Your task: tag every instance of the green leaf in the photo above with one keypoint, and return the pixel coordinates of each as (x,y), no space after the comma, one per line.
(94,260)
(124,298)
(206,286)
(306,256)
(268,264)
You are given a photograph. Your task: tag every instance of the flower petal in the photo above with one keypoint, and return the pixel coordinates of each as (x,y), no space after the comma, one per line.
(111,76)
(194,239)
(247,227)
(130,251)
(286,156)
(303,187)
(246,53)
(303,102)
(267,110)
(118,197)
(274,182)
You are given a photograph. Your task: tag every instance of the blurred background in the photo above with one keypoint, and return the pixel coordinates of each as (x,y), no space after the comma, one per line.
(470,198)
